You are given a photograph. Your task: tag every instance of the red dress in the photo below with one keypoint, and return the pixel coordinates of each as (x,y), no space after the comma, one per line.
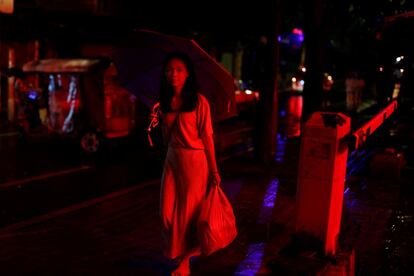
(185,176)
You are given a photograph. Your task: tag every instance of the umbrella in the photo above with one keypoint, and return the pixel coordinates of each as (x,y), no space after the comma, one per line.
(139,69)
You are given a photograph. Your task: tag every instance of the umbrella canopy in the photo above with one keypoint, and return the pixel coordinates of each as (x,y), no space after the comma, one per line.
(139,70)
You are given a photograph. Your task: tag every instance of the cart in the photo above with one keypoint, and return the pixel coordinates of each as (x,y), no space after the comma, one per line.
(74,98)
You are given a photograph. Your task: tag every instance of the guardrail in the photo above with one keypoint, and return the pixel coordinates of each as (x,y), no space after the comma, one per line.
(360,135)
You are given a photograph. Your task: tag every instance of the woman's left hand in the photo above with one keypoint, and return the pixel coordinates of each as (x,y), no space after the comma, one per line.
(215,179)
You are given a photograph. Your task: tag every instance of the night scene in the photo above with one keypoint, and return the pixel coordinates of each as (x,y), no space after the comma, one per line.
(206,137)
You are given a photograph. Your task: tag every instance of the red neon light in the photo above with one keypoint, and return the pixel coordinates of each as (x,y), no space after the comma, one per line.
(297,31)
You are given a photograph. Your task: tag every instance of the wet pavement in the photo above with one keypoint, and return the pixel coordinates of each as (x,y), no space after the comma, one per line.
(118,233)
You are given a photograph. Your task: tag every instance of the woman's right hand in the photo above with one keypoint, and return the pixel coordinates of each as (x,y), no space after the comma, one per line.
(214,179)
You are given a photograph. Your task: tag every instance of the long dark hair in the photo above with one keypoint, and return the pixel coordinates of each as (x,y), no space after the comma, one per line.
(189,93)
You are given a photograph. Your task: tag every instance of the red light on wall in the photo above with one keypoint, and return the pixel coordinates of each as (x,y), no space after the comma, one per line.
(294,116)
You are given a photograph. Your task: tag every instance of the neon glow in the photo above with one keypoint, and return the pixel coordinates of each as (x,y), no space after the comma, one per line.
(268,202)
(356,161)
(292,39)
(32,95)
(251,264)
(346,190)
(270,198)
(298,35)
(297,31)
(280,148)
(253,260)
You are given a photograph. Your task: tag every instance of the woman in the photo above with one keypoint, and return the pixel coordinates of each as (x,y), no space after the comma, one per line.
(190,162)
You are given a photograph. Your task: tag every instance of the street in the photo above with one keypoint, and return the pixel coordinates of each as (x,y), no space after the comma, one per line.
(49,175)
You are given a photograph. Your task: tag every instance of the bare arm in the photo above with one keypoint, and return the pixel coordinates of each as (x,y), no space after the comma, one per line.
(214,176)
(206,134)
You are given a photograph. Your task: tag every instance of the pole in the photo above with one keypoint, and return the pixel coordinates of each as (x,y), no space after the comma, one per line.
(269,99)
(10,98)
(312,93)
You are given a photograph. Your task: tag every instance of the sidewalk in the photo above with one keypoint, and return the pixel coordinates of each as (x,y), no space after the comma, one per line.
(121,234)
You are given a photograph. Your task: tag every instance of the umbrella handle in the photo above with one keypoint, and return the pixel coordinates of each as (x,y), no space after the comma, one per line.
(150,140)
(155,119)
(149,129)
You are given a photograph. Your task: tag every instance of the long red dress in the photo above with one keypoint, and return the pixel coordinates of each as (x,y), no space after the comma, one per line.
(185,176)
